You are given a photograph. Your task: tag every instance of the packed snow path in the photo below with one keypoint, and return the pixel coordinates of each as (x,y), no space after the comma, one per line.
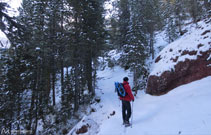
(186,110)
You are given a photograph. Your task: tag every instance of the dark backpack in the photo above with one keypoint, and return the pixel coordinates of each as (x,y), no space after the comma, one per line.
(119,88)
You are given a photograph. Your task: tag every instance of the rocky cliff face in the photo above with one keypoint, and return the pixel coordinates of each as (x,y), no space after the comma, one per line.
(183,61)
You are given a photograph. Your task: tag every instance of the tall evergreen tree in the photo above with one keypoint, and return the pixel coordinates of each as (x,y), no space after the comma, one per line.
(124,22)
(180,14)
(171,29)
(195,9)
(151,17)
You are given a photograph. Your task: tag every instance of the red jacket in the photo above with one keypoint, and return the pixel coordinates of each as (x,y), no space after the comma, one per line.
(129,96)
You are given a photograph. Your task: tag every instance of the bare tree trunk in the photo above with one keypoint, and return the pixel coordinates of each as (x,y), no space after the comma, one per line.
(95,75)
(193,10)
(19,114)
(37,96)
(67,74)
(89,75)
(53,87)
(62,79)
(77,90)
(47,86)
(36,119)
(135,83)
(76,64)
(10,128)
(62,57)
(29,126)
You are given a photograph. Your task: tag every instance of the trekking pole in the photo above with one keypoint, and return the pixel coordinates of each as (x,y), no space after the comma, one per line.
(132,116)
(119,102)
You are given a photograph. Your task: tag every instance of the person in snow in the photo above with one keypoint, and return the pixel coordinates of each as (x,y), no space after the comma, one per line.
(126,107)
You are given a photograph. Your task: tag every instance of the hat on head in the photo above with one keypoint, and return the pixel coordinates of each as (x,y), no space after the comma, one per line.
(125,79)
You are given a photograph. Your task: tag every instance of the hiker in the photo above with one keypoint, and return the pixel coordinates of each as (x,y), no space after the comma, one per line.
(126,107)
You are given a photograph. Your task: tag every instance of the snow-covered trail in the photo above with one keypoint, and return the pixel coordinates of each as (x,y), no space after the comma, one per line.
(107,92)
(184,111)
(109,100)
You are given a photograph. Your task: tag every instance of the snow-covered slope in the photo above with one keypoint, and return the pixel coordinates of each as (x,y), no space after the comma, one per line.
(185,110)
(197,39)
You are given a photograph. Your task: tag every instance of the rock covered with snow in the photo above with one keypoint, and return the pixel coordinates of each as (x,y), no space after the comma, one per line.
(183,61)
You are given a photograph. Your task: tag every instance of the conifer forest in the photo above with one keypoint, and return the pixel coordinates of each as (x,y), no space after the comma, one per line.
(65,42)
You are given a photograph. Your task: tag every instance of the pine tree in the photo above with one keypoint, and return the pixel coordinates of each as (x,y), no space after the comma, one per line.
(6,21)
(180,14)
(123,22)
(151,17)
(171,29)
(195,9)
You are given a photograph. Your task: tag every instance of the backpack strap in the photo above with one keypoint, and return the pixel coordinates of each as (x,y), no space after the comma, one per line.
(125,89)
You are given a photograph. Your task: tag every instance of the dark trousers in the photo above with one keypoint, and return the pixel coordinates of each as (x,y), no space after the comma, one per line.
(126,110)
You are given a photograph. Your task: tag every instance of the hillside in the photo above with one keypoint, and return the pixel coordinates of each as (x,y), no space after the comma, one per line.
(185,110)
(197,39)
(185,60)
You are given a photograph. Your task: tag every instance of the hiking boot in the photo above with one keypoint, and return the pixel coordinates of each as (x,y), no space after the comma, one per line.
(127,123)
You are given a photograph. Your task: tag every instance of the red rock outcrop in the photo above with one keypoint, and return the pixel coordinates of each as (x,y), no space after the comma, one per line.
(183,61)
(185,72)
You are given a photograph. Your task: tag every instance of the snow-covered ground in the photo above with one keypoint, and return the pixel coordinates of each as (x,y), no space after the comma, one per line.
(185,110)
